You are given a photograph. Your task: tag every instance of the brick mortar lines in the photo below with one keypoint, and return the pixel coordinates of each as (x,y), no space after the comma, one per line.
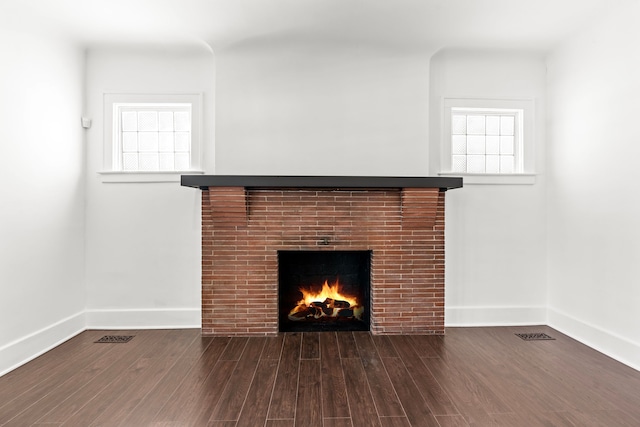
(247,252)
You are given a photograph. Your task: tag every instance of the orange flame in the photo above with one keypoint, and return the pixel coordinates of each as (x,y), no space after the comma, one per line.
(333,301)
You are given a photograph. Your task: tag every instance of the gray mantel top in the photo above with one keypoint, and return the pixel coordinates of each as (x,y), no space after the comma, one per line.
(335,182)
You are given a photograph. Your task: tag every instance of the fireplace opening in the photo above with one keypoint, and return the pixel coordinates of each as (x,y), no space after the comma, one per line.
(324,290)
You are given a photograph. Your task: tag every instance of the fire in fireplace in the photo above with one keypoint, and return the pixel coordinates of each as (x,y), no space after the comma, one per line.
(324,290)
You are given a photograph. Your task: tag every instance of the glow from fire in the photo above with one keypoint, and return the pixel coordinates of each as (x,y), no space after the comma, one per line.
(327,291)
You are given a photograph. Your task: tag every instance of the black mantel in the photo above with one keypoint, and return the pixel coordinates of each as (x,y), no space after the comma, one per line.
(335,182)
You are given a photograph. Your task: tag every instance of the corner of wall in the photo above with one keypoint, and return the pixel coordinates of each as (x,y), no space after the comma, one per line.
(27,348)
(606,342)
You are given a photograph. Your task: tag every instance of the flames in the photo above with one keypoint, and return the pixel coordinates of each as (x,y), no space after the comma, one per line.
(329,302)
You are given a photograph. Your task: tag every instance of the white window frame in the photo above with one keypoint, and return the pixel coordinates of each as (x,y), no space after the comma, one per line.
(113,103)
(524,145)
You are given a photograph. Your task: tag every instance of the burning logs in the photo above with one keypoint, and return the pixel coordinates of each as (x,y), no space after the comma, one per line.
(329,303)
(330,307)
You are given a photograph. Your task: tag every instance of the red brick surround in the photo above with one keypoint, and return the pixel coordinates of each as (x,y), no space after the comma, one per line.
(243,229)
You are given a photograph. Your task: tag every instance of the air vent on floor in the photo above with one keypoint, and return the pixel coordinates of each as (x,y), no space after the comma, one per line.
(537,336)
(115,339)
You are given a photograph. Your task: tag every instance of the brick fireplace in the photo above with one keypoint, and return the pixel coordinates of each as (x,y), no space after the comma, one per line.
(247,220)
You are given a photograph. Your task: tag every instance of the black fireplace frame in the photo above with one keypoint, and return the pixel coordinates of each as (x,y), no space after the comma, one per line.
(352,268)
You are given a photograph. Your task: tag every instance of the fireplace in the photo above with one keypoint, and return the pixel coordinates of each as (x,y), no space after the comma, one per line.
(249,223)
(323,290)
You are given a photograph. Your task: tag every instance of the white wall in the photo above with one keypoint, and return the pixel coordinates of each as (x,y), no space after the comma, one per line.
(143,239)
(495,234)
(288,107)
(593,202)
(42,199)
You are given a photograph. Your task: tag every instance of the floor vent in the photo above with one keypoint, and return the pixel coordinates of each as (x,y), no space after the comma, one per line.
(535,336)
(115,339)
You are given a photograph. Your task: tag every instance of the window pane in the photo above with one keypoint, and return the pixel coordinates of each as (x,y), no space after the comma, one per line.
(459,144)
(506,164)
(182,141)
(129,121)
(148,141)
(493,145)
(506,145)
(166,161)
(459,163)
(182,161)
(475,164)
(130,161)
(475,144)
(165,141)
(493,125)
(149,162)
(458,125)
(147,121)
(182,120)
(475,125)
(129,141)
(493,164)
(507,125)
(165,120)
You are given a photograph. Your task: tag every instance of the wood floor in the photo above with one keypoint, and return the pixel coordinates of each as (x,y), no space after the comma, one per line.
(472,376)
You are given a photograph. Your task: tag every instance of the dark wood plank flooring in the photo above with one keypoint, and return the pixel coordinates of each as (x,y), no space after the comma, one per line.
(470,377)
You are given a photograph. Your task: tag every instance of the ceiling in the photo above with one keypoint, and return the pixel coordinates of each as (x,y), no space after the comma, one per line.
(220,24)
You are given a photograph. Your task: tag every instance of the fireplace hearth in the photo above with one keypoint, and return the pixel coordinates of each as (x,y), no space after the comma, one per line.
(251,223)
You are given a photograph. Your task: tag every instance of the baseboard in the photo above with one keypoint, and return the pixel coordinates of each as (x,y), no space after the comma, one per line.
(27,348)
(494,316)
(166,318)
(618,348)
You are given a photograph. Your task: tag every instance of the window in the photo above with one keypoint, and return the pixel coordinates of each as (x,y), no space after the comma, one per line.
(151,135)
(487,138)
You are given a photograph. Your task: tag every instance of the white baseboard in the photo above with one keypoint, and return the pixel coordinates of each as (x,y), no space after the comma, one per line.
(618,348)
(29,347)
(166,318)
(494,316)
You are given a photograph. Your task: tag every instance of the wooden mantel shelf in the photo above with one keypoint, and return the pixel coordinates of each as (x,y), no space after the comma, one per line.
(272,181)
